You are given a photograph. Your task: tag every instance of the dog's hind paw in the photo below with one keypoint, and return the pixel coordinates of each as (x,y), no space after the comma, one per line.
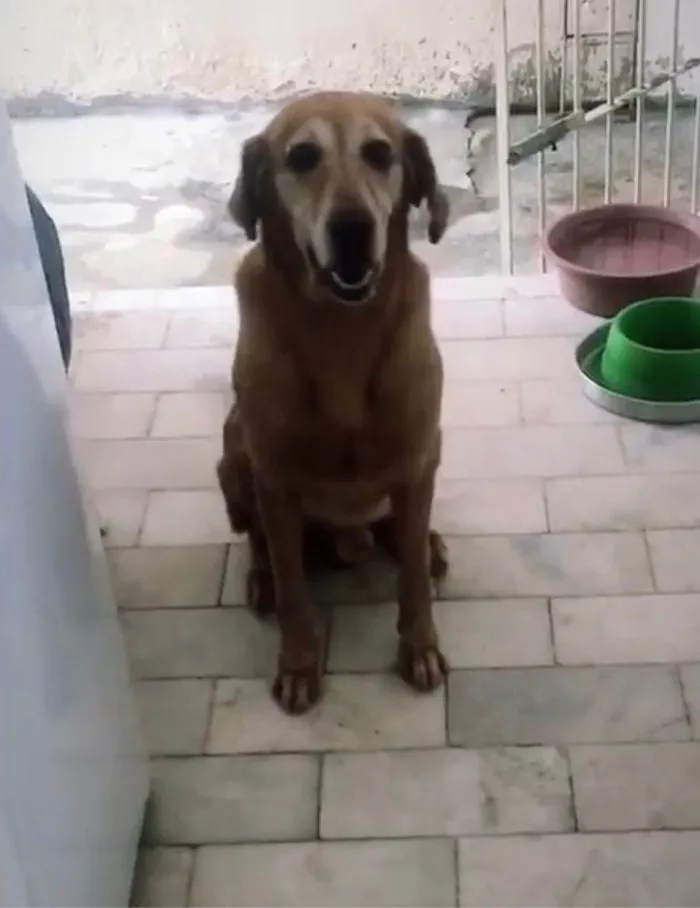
(384,532)
(297,691)
(423,668)
(438,556)
(260,592)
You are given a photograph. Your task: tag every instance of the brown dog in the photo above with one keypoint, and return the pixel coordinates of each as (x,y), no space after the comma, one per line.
(337,376)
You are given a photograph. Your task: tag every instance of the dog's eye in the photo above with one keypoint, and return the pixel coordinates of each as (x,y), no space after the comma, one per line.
(378,154)
(304,157)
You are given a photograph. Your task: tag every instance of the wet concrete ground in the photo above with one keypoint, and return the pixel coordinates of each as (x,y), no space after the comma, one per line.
(139,197)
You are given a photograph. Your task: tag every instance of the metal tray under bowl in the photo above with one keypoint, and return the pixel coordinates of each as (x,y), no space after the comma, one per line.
(631,407)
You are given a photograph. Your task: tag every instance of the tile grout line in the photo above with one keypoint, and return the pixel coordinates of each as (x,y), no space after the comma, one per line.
(552,634)
(524,669)
(545,501)
(650,562)
(502,317)
(572,788)
(684,699)
(321,758)
(190,874)
(458,893)
(446,705)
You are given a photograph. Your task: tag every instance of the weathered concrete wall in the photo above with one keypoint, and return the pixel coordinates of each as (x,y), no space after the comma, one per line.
(235,50)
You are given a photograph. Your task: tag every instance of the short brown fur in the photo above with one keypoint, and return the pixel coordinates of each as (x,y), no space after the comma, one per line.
(337,410)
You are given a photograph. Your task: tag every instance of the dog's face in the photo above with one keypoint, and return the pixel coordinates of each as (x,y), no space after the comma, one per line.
(339,165)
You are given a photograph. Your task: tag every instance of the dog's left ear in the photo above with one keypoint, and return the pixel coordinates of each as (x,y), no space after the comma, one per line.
(247,200)
(420,182)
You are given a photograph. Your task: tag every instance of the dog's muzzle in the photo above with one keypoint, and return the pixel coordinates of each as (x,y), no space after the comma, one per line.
(351,271)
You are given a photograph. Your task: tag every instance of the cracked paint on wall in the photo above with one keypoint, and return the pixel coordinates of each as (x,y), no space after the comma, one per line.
(235,52)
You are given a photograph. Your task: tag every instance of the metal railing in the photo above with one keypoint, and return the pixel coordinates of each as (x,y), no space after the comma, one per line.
(549,133)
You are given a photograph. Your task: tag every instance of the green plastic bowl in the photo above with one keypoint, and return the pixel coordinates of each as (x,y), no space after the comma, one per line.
(653,350)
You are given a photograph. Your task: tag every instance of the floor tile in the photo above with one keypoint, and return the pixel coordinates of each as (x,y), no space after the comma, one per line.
(206,369)
(120,330)
(174,715)
(627,870)
(121,514)
(363,638)
(199,643)
(571,564)
(626,629)
(466,507)
(641,786)
(661,449)
(473,633)
(207,800)
(621,498)
(192,299)
(105,416)
(444,792)
(182,415)
(187,517)
(456,319)
(530,451)
(623,502)
(466,403)
(690,678)
(360,712)
(151,464)
(237,562)
(508,359)
(210,327)
(546,316)
(674,556)
(168,577)
(559,403)
(162,878)
(383,874)
(565,705)
(371,581)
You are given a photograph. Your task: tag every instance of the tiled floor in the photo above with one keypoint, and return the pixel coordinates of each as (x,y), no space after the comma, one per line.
(562,764)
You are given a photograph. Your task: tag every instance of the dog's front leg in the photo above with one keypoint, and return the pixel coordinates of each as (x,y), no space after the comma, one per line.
(420,662)
(298,683)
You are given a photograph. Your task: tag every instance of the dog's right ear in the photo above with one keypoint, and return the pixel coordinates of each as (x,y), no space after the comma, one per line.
(248,197)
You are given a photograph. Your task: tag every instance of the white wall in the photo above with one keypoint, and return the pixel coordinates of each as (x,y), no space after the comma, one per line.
(233,50)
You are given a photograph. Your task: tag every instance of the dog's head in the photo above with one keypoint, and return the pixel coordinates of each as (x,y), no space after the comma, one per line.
(339,168)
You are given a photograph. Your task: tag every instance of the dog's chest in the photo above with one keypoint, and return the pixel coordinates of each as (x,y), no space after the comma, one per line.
(345,474)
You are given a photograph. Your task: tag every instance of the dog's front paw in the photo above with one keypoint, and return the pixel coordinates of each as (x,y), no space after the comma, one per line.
(423,667)
(297,690)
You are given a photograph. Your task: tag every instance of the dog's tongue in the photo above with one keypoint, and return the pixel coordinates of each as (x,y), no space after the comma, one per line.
(350,266)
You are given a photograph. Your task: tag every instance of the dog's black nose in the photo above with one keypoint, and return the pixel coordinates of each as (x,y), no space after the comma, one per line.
(351,235)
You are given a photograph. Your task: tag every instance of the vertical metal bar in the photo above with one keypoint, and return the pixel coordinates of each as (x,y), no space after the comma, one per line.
(541,173)
(564,60)
(503,135)
(576,189)
(610,98)
(639,112)
(671,105)
(694,184)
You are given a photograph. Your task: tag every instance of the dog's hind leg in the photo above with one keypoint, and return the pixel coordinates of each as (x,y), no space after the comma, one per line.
(328,548)
(384,532)
(237,486)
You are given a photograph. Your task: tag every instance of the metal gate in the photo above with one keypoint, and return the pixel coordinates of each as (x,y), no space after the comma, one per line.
(652,91)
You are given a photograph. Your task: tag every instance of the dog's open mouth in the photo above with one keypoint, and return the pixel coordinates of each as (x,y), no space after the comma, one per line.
(350,289)
(355,291)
